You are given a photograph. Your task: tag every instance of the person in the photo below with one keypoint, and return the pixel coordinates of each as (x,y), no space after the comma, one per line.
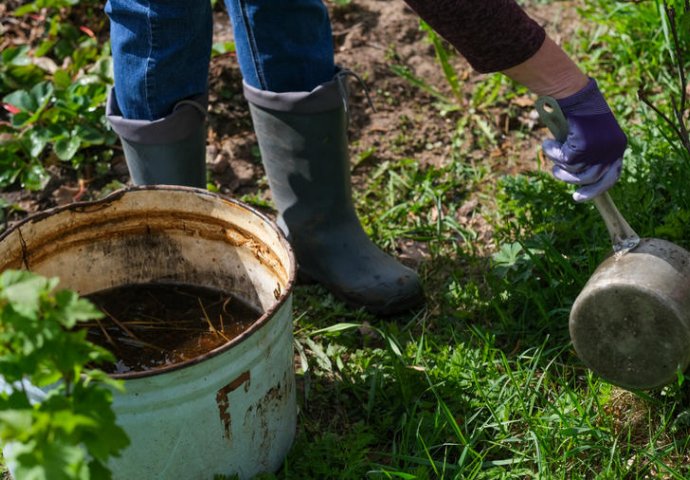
(297,98)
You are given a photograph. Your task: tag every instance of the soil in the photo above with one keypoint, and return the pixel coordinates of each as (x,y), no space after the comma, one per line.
(154,325)
(369,36)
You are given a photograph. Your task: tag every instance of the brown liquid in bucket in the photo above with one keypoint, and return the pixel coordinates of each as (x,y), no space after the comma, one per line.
(153,325)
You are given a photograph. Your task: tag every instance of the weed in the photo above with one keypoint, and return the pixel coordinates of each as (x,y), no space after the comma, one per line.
(678,47)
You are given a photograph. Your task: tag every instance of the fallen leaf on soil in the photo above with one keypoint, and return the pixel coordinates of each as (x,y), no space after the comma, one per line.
(467,208)
(11,108)
(413,253)
(87,31)
(27,205)
(523,101)
(46,64)
(65,194)
(218,164)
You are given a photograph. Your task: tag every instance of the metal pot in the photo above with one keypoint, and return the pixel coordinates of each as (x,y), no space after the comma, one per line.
(631,322)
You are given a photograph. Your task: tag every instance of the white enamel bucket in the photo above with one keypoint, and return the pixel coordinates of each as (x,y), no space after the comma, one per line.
(230,411)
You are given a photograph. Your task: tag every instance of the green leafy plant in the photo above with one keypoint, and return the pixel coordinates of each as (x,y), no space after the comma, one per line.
(55,410)
(54,93)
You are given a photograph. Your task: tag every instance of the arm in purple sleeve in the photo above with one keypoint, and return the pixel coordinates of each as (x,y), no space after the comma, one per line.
(497,35)
(493,35)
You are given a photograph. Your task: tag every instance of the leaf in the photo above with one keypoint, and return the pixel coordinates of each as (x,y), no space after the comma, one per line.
(75,309)
(23,100)
(442,56)
(13,397)
(16,56)
(321,358)
(20,119)
(42,93)
(109,438)
(65,148)
(44,47)
(18,76)
(392,343)
(15,421)
(222,48)
(62,79)
(405,476)
(89,134)
(103,68)
(25,9)
(34,177)
(405,73)
(684,22)
(54,460)
(338,327)
(98,470)
(38,139)
(23,290)
(508,255)
(69,429)
(69,421)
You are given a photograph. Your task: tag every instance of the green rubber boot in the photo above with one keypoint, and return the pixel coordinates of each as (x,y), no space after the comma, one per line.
(303,142)
(169,151)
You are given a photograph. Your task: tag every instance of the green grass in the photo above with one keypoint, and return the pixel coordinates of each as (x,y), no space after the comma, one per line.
(483,382)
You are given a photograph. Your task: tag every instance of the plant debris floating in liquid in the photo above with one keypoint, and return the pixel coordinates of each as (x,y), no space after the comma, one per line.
(158,324)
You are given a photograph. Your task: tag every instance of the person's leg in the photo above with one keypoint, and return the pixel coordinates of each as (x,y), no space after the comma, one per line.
(282,45)
(161,50)
(297,100)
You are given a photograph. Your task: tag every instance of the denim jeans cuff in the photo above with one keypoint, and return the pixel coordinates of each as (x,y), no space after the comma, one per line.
(324,98)
(183,121)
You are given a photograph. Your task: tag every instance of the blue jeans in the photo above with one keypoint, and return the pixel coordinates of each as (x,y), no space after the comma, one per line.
(161,49)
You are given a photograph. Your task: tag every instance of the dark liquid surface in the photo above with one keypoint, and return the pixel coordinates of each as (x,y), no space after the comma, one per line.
(153,325)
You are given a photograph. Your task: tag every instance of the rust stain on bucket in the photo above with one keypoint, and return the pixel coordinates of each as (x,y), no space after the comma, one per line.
(223,401)
(265,436)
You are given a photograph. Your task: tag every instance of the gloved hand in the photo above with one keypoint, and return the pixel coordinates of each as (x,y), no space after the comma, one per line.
(592,154)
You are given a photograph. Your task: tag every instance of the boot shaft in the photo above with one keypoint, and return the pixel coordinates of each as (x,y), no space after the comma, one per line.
(171,150)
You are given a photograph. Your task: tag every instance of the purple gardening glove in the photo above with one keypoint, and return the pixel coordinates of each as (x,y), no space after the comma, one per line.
(592,154)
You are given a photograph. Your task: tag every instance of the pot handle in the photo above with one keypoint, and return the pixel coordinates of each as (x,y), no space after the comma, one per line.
(623,237)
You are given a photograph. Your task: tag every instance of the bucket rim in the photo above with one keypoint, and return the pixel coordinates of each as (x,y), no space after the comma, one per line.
(257,325)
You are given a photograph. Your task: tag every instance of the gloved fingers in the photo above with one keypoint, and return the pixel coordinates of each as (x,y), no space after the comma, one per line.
(607,181)
(584,177)
(553,150)
(560,154)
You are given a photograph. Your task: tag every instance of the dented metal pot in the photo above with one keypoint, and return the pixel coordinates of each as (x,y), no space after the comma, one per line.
(230,411)
(631,322)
